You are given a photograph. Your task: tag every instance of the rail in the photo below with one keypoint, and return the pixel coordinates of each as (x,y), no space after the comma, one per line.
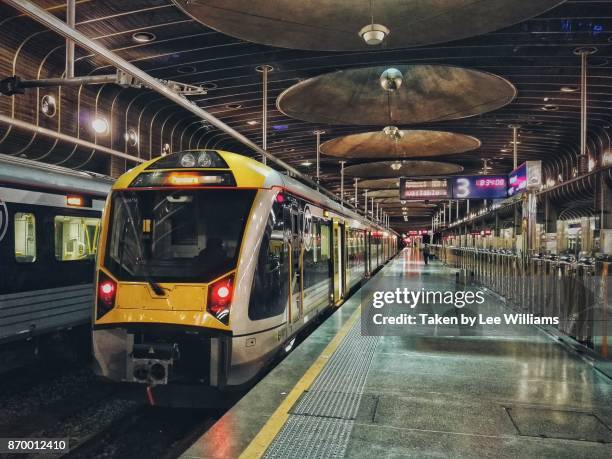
(576,292)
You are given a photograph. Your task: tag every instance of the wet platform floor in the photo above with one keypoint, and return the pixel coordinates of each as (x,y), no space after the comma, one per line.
(497,393)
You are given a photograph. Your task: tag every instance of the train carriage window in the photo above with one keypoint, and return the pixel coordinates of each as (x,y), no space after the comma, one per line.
(25,237)
(270,291)
(325,242)
(76,238)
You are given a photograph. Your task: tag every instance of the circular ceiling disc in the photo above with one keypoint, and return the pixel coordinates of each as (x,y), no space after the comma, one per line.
(428,93)
(332,25)
(383,194)
(379,184)
(412,144)
(382,169)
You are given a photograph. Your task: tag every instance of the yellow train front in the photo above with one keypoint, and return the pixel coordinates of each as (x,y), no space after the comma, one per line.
(210,263)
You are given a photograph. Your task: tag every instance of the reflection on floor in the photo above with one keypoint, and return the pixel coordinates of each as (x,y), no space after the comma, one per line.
(500,393)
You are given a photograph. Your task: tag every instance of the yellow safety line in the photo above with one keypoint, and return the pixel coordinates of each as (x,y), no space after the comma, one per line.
(266,435)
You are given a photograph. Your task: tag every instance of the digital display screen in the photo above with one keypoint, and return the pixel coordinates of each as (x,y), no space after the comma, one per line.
(517,180)
(480,187)
(419,190)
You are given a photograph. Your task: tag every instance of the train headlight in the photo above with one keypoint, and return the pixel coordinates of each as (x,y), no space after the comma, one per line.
(220,298)
(188,160)
(205,159)
(107,291)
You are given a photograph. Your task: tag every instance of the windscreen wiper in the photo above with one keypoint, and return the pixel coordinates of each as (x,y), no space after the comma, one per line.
(158,289)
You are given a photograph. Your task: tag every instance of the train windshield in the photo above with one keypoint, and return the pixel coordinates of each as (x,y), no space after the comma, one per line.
(176,235)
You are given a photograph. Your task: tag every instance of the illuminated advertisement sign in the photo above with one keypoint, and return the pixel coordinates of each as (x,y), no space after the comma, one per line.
(480,187)
(517,180)
(419,190)
(528,176)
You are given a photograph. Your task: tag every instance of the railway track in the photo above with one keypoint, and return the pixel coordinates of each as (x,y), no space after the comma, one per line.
(147,431)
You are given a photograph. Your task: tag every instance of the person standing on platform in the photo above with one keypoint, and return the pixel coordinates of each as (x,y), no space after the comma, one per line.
(426,253)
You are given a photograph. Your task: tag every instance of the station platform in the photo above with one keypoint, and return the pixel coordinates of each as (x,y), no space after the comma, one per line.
(341,394)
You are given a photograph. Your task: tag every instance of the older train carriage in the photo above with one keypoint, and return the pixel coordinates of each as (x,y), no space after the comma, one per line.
(210,263)
(49,225)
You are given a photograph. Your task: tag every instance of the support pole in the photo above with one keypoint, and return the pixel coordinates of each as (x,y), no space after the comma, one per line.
(318,133)
(356,194)
(515,128)
(583,160)
(365,203)
(70,22)
(264,69)
(342,163)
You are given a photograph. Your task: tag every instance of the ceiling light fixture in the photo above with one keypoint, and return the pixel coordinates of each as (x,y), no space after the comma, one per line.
(306,163)
(396,166)
(131,137)
(568,89)
(374,34)
(252,122)
(184,69)
(393,132)
(550,108)
(391,79)
(100,125)
(143,37)
(48,105)
(233,106)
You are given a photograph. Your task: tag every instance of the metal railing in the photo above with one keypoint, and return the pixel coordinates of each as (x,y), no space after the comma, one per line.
(575,292)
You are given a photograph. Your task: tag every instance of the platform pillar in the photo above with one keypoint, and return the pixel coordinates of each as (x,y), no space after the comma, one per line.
(528,226)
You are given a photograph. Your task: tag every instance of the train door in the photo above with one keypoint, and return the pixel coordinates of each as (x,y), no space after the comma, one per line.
(295,264)
(339,260)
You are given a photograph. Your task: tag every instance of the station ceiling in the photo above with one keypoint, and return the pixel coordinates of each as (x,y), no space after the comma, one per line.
(536,56)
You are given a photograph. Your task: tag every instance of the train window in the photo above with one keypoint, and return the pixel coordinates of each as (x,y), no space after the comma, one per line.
(76,238)
(270,291)
(176,235)
(25,237)
(325,238)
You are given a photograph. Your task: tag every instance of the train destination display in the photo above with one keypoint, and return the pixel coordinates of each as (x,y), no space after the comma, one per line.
(418,190)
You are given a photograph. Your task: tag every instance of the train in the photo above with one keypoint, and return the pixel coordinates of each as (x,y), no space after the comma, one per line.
(49,229)
(210,264)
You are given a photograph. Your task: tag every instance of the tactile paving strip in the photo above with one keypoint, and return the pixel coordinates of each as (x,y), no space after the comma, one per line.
(321,421)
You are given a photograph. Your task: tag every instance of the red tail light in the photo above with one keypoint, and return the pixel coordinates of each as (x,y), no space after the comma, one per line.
(107,291)
(220,298)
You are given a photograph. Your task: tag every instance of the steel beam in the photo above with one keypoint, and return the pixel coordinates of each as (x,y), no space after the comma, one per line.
(66,138)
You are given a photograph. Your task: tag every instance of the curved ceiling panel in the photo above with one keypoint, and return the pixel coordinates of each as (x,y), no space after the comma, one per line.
(383,169)
(426,93)
(411,144)
(330,25)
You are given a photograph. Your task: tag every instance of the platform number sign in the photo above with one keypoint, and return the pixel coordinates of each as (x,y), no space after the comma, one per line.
(462,188)
(3,219)
(480,187)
